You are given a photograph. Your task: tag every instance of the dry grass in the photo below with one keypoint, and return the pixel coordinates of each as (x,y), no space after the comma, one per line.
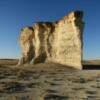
(47,82)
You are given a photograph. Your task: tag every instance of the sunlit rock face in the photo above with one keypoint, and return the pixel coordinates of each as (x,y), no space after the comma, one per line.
(56,42)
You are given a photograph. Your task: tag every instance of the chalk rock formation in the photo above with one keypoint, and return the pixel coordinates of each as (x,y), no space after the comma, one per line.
(57,42)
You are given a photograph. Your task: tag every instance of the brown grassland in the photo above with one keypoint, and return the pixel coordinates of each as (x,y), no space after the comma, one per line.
(49,81)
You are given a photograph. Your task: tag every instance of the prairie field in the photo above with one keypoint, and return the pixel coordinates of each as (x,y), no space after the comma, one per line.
(49,81)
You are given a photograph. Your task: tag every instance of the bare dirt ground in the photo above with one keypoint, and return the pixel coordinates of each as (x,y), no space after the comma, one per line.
(47,82)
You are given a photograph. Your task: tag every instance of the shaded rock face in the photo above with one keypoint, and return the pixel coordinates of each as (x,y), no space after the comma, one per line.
(56,42)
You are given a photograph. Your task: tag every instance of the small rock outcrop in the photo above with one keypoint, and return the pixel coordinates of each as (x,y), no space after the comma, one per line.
(57,42)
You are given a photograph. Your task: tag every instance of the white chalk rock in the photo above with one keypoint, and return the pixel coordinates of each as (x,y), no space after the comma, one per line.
(58,42)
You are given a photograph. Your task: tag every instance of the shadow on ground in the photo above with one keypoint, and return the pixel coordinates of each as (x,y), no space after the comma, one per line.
(91,67)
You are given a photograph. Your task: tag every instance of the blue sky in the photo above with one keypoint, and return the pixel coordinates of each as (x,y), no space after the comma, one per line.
(15,14)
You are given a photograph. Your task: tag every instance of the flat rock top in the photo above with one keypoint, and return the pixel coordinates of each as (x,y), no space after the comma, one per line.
(48,82)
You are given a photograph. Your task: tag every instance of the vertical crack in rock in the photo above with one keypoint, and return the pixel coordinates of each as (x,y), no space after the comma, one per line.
(58,42)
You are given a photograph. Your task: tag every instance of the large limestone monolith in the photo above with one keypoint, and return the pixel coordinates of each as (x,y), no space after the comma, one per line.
(58,42)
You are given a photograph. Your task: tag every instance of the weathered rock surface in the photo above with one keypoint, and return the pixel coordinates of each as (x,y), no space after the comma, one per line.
(57,42)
